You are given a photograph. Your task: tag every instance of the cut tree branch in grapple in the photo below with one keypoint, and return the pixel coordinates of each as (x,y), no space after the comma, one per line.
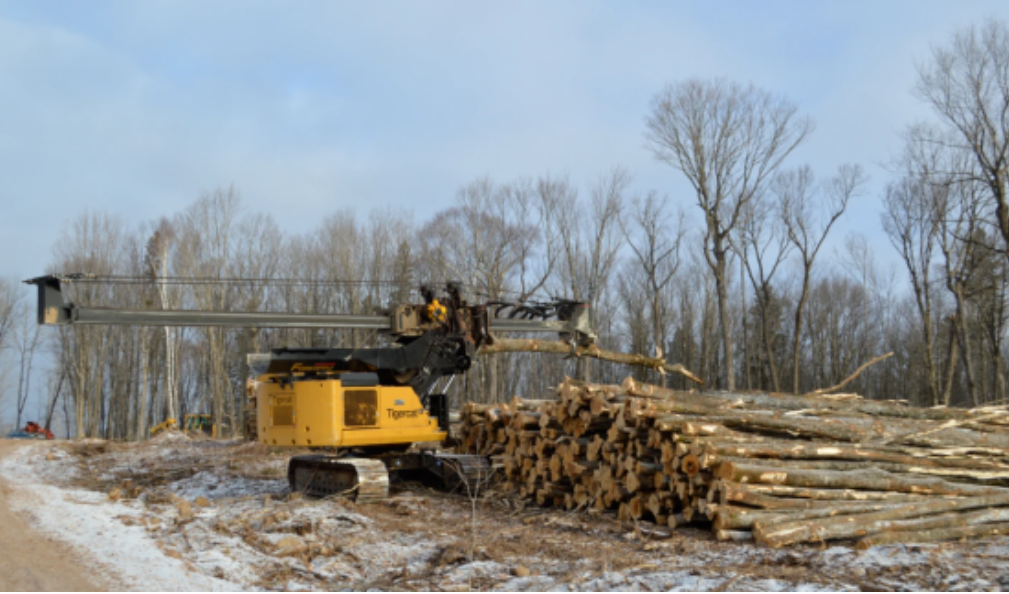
(530,345)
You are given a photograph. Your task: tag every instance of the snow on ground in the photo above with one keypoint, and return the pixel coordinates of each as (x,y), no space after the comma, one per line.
(86,520)
(181,514)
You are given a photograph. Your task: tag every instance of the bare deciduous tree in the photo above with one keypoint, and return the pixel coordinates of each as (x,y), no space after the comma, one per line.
(859,260)
(957,211)
(27,337)
(728,140)
(207,235)
(967,85)
(589,240)
(909,221)
(92,242)
(809,214)
(763,244)
(9,299)
(156,266)
(655,239)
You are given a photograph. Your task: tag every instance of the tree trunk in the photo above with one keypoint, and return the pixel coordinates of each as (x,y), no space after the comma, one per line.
(950,366)
(51,410)
(924,302)
(746,331)
(766,334)
(142,412)
(726,327)
(963,337)
(797,332)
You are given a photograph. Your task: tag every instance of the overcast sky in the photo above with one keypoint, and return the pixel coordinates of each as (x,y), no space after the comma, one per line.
(139,107)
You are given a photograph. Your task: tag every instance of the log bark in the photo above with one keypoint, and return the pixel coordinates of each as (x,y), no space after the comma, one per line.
(978,476)
(734,517)
(789,402)
(868,479)
(818,451)
(755,422)
(860,525)
(833,494)
(933,535)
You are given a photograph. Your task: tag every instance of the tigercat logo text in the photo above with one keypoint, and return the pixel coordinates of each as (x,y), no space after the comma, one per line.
(404,414)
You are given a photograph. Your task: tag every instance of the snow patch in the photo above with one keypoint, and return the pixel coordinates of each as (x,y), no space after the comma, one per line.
(88,521)
(253,536)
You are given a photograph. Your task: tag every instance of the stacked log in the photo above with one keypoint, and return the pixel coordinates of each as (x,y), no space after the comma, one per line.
(778,469)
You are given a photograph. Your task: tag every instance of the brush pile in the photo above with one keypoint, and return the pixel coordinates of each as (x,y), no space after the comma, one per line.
(778,469)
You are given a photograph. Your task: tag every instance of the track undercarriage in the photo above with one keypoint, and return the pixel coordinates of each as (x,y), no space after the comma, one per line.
(363,479)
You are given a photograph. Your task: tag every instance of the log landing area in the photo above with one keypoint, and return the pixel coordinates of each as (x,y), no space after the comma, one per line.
(778,469)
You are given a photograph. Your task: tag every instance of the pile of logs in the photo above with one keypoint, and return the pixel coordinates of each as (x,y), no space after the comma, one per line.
(778,469)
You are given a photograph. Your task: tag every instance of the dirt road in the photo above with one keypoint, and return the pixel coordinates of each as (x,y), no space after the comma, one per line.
(30,561)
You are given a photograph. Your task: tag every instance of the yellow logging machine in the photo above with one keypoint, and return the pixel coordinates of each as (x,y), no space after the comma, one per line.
(361,408)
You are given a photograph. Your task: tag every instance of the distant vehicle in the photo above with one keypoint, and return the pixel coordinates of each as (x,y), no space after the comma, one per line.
(191,423)
(31,431)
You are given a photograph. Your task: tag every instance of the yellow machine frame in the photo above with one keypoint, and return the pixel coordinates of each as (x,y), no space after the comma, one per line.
(325,413)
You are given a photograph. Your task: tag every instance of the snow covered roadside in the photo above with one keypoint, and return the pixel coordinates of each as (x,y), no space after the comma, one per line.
(180,514)
(198,523)
(93,525)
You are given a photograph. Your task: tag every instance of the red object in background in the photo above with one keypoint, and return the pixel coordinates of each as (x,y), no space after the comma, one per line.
(32,427)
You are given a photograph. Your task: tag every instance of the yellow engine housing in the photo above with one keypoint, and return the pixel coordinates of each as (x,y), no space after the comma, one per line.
(325,413)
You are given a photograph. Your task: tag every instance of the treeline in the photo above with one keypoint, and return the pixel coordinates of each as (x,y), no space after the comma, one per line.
(733,281)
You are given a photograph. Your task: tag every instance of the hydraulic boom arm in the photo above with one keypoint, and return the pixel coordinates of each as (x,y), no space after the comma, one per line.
(432,339)
(54,309)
